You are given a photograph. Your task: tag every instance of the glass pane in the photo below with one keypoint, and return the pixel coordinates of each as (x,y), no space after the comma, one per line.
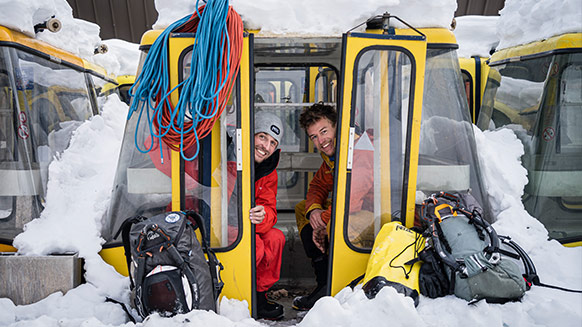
(143,179)
(380,118)
(7,135)
(571,110)
(283,91)
(468,86)
(553,155)
(540,100)
(42,104)
(447,155)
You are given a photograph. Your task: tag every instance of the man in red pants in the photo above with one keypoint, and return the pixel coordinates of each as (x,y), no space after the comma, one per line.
(269,240)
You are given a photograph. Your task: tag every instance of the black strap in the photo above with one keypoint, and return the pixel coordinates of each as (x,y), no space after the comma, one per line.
(530,272)
(558,287)
(180,262)
(124,230)
(123,306)
(510,254)
(214,265)
(355,282)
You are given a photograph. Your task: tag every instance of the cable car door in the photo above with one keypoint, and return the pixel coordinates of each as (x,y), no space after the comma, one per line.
(223,167)
(235,137)
(379,114)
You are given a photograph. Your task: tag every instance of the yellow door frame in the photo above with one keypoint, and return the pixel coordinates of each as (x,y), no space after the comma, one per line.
(238,259)
(345,263)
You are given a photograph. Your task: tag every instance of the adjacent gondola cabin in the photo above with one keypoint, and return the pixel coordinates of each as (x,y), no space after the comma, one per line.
(536,90)
(45,93)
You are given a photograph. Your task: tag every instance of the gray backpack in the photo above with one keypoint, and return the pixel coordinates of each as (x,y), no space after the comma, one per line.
(168,270)
(469,249)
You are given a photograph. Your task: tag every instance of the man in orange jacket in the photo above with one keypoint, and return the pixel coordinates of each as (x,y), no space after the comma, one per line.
(313,213)
(269,240)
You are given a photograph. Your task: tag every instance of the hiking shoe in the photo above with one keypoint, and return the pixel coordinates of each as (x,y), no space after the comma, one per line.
(303,303)
(267,309)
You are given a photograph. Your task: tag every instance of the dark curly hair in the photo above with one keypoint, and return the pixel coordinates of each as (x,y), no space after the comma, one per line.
(311,115)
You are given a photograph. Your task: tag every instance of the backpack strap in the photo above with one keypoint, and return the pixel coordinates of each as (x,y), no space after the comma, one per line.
(175,255)
(123,306)
(445,256)
(530,276)
(493,248)
(124,230)
(213,262)
(431,213)
(356,280)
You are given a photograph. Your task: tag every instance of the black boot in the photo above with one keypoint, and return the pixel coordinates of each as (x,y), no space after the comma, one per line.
(306,302)
(267,309)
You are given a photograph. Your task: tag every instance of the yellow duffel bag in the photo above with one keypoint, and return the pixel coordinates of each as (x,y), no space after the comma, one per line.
(394,261)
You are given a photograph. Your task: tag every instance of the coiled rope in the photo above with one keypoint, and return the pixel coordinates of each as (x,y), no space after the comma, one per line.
(204,94)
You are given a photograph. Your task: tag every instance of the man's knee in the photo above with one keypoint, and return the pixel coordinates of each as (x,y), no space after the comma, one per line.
(300,215)
(300,208)
(274,238)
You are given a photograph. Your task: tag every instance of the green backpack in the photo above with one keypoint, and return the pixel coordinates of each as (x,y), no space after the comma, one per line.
(464,247)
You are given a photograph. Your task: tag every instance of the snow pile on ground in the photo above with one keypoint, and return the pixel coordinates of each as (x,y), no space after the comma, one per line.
(78,194)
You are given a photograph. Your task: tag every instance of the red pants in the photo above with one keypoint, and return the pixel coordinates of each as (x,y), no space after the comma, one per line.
(269,248)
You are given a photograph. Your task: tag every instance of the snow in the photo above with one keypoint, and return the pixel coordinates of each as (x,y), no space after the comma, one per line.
(121,59)
(82,175)
(525,21)
(476,35)
(322,18)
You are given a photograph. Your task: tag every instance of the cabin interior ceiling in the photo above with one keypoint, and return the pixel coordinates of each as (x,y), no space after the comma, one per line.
(129,19)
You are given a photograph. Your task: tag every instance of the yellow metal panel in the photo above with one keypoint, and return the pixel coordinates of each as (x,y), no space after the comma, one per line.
(386,204)
(573,244)
(433,35)
(176,186)
(346,263)
(468,65)
(215,185)
(313,71)
(564,41)
(96,69)
(8,35)
(115,257)
(7,248)
(149,37)
(176,47)
(420,56)
(237,262)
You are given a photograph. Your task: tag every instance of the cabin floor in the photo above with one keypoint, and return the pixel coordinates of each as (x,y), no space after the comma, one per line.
(285,296)
(297,276)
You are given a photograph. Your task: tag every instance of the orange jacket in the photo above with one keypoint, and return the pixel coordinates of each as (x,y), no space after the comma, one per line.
(362,183)
(319,188)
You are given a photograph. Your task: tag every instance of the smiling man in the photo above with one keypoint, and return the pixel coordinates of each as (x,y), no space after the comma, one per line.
(313,213)
(269,240)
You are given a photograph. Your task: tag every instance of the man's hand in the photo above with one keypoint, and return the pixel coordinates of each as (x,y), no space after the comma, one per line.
(319,238)
(315,219)
(257,214)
